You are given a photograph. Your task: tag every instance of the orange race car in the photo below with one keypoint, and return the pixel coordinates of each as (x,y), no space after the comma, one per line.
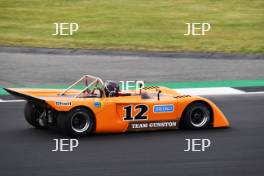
(100,107)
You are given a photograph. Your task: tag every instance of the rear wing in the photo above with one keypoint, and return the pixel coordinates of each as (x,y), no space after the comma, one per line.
(25,96)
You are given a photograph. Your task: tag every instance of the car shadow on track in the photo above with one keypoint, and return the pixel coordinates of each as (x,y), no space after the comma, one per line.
(181,133)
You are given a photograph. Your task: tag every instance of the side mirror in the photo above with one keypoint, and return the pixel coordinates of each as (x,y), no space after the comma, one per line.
(140,87)
(158,95)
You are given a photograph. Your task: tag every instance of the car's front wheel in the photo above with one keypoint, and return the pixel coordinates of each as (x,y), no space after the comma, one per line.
(77,122)
(197,115)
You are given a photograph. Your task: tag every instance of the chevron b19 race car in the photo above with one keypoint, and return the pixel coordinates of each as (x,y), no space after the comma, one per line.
(100,107)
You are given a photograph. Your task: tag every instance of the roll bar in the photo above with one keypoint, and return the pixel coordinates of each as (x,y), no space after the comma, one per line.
(95,79)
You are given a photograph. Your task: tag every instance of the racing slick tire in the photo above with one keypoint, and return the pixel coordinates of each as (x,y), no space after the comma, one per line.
(196,116)
(78,122)
(32,112)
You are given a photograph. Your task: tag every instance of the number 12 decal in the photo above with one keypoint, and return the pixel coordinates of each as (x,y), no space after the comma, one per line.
(141,115)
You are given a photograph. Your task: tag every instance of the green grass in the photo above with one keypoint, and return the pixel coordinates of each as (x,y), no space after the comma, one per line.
(237,25)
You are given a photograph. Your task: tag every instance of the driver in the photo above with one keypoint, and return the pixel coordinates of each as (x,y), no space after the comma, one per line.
(111,88)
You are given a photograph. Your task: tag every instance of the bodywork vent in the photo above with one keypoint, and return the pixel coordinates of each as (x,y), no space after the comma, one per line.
(182,96)
(151,87)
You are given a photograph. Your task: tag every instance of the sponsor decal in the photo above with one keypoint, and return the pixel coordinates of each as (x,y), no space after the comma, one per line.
(98,104)
(153,125)
(63,103)
(163,108)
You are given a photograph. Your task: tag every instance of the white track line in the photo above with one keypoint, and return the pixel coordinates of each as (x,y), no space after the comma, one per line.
(211,91)
(255,92)
(10,101)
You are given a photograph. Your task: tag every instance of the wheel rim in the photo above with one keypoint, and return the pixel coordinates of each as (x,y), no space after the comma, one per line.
(79,122)
(199,117)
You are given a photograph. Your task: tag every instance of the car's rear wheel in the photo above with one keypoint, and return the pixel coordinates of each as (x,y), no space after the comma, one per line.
(32,114)
(77,122)
(197,115)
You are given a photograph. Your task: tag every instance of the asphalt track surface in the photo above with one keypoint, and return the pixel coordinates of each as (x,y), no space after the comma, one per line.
(238,150)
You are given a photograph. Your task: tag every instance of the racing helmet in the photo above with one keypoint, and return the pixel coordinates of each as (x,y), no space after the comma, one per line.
(111,88)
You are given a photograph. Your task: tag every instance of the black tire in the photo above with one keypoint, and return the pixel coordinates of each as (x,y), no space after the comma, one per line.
(78,122)
(32,113)
(196,116)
